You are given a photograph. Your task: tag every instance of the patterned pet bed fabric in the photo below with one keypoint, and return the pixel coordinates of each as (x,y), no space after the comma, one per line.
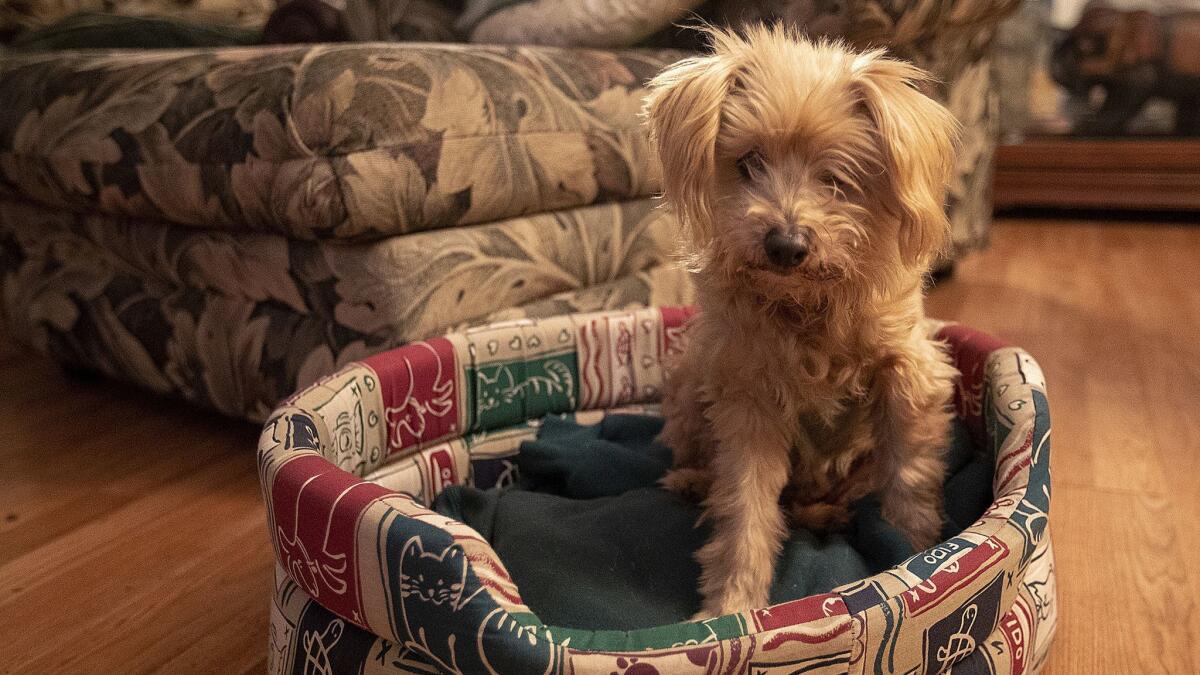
(370,580)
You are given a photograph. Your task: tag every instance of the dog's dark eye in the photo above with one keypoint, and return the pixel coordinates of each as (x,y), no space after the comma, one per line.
(750,164)
(831,180)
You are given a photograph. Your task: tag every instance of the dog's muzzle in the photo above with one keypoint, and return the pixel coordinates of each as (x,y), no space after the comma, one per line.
(787,251)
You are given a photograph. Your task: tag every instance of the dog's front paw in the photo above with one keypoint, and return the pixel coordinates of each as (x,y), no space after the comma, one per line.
(716,608)
(730,581)
(922,525)
(819,518)
(690,483)
(925,537)
(728,604)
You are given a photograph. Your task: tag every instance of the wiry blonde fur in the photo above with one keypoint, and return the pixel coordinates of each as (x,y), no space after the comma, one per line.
(802,390)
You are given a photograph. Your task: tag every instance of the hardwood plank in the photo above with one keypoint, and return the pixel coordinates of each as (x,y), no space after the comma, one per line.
(46,499)
(1126,603)
(137,584)
(133,533)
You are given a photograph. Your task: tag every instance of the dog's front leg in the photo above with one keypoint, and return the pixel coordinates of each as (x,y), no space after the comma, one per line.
(686,429)
(912,398)
(749,469)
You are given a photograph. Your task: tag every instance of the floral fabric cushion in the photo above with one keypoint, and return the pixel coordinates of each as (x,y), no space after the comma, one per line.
(237,321)
(227,225)
(18,15)
(365,141)
(951,38)
(600,23)
(335,141)
(900,24)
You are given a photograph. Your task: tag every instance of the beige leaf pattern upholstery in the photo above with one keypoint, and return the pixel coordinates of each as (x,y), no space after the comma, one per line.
(349,141)
(237,321)
(227,225)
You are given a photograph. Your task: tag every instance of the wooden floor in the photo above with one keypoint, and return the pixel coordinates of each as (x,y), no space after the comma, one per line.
(132,536)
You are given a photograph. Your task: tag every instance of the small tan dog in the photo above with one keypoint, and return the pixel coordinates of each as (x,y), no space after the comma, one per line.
(810,182)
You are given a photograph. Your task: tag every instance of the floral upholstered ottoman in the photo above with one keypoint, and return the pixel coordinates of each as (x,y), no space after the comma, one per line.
(360,470)
(226,225)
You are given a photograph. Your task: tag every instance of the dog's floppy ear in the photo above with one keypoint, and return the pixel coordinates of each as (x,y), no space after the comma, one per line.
(683,109)
(918,137)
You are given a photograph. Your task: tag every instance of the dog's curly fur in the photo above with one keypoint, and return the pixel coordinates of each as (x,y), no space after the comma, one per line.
(803,388)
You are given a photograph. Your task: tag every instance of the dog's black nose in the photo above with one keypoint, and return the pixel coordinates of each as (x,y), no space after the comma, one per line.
(785,250)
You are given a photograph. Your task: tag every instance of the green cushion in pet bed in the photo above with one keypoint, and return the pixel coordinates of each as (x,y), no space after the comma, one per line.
(592,542)
(579,564)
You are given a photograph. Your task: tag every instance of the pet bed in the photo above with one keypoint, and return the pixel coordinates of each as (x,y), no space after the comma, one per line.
(580,565)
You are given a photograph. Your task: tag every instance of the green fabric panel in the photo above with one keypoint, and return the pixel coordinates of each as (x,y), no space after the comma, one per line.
(510,392)
(593,544)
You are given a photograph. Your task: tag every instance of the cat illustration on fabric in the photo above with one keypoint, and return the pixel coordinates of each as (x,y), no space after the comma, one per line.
(433,589)
(500,388)
(431,592)
(435,579)
(410,418)
(623,348)
(496,389)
